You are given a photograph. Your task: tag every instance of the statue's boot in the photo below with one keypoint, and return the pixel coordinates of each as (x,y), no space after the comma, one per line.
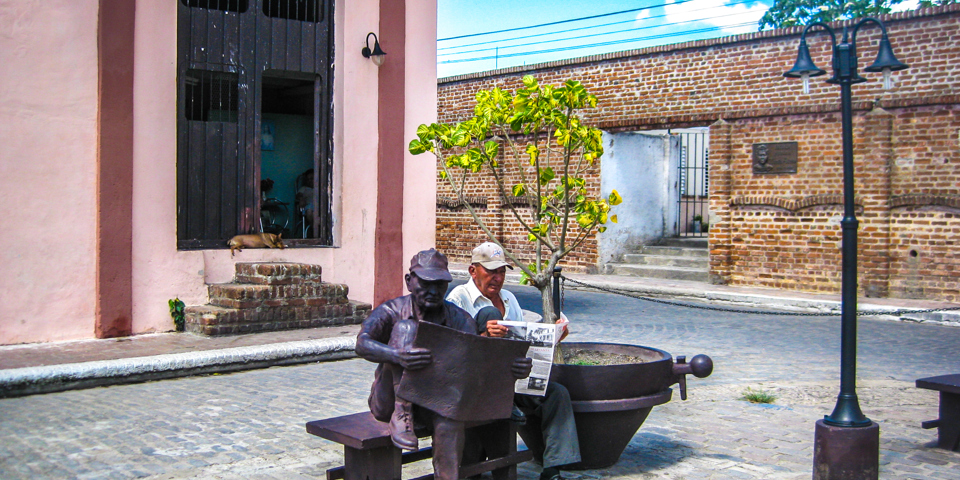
(401,422)
(401,426)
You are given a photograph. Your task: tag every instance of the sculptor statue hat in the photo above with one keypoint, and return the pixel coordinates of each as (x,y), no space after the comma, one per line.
(430,265)
(490,255)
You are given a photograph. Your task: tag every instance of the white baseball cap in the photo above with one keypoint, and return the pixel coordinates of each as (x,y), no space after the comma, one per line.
(490,255)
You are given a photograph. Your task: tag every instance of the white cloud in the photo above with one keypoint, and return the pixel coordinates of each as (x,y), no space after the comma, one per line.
(716,13)
(907,5)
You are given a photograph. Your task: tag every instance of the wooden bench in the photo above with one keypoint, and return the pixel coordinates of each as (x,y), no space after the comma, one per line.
(369,454)
(948,424)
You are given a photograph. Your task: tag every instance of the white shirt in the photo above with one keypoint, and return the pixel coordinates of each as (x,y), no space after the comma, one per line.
(469,298)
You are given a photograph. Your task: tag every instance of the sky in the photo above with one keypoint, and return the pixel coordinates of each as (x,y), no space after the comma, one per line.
(464,44)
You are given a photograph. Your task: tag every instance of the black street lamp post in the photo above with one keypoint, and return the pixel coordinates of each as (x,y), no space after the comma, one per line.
(846,442)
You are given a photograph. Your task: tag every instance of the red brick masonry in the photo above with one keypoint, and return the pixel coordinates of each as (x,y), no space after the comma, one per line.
(781,230)
(274,296)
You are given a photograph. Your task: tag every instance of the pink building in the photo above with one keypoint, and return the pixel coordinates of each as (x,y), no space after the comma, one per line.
(136,135)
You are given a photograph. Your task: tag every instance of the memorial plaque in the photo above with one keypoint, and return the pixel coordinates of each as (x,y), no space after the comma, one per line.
(775,157)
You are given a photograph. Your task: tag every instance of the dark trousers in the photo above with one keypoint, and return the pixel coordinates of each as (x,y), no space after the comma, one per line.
(552,432)
(558,430)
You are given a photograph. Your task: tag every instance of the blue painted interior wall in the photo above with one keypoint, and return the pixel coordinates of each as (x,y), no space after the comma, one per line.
(292,155)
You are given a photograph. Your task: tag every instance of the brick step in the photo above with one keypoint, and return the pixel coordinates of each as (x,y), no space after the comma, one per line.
(213,320)
(654,271)
(686,242)
(667,260)
(240,295)
(278,273)
(674,251)
(267,297)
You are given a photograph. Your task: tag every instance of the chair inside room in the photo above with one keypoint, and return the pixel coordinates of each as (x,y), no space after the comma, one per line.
(302,224)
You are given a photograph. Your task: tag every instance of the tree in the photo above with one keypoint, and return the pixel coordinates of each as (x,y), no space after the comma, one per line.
(935,3)
(535,146)
(792,13)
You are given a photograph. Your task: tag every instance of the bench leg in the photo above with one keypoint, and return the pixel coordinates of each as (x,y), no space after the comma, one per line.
(382,463)
(949,426)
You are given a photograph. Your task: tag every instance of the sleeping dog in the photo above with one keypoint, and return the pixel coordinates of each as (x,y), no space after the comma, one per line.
(254,240)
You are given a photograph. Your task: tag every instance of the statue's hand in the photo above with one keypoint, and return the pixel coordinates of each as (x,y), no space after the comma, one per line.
(521,367)
(414,359)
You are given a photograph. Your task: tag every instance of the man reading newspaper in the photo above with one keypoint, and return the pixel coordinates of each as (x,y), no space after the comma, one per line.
(484,298)
(388,336)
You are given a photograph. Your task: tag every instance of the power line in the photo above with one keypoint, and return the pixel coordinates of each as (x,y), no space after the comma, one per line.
(543,34)
(602,44)
(594,34)
(741,2)
(677,2)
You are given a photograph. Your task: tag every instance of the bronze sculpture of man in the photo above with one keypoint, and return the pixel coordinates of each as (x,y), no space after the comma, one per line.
(386,337)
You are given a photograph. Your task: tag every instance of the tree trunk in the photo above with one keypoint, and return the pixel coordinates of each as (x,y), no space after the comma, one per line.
(546,298)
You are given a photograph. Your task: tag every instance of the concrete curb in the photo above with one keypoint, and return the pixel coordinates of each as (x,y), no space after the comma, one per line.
(805,305)
(55,378)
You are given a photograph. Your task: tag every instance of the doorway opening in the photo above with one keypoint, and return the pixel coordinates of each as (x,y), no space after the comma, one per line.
(693,182)
(289,155)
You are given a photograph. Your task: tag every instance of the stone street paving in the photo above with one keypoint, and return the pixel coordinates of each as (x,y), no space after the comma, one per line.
(251,425)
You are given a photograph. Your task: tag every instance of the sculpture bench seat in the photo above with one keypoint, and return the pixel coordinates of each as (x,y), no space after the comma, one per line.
(369,454)
(948,425)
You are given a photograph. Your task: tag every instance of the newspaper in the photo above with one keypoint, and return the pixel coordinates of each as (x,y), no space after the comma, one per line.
(543,338)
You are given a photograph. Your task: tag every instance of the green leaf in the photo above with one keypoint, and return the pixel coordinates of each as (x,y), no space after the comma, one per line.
(585,220)
(459,137)
(546,175)
(425,132)
(491,148)
(613,218)
(417,147)
(519,190)
(615,198)
(534,153)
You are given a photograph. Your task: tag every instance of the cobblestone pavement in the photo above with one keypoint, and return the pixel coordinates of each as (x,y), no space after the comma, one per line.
(250,425)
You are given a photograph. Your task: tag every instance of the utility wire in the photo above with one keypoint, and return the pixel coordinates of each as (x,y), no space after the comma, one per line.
(677,2)
(741,2)
(602,44)
(592,35)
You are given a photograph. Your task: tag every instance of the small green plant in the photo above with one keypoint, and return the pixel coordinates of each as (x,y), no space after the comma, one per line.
(176,311)
(585,362)
(757,396)
(698,218)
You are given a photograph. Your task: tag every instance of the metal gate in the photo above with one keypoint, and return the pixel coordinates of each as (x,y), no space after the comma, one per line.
(694,182)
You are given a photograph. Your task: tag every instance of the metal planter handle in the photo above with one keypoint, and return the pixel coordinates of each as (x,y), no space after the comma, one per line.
(701,366)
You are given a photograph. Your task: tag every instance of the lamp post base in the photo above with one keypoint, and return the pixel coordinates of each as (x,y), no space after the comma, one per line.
(846,453)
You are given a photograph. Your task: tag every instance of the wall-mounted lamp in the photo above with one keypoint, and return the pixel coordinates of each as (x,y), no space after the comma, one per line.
(377,54)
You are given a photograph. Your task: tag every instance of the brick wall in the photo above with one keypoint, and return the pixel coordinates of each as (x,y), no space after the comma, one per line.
(458,233)
(782,230)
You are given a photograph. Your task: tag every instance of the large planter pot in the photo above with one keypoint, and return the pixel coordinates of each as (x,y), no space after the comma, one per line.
(611,402)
